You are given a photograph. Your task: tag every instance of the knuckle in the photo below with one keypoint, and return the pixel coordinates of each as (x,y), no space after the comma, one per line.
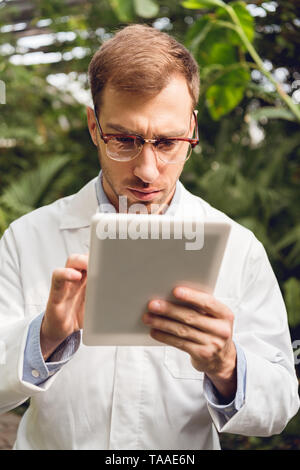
(205,354)
(209,303)
(226,332)
(198,353)
(189,318)
(217,345)
(182,331)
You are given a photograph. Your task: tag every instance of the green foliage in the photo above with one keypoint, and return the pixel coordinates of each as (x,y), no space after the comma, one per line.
(219,52)
(126,9)
(202,4)
(222,38)
(292,300)
(146,8)
(245,19)
(32,188)
(271,112)
(227,91)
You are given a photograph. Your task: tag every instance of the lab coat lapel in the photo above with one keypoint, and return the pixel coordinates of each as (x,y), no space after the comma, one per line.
(75,219)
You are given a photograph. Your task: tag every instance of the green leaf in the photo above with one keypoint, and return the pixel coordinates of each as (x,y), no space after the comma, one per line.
(225,21)
(28,192)
(291,240)
(198,4)
(123,9)
(198,32)
(291,289)
(146,8)
(245,19)
(271,112)
(226,92)
(292,237)
(206,41)
(223,53)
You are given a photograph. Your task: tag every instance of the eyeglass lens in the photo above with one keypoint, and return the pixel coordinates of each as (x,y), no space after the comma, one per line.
(127,148)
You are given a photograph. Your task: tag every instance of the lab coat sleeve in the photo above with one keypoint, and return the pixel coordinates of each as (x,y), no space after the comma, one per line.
(35,370)
(14,325)
(261,329)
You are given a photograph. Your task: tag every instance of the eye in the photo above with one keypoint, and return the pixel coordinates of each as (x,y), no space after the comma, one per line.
(125,140)
(166,144)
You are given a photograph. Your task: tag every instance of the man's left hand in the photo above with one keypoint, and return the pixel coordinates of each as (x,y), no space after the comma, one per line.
(203,328)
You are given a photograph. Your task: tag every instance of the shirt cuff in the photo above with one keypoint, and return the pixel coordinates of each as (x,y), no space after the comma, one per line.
(229,409)
(35,369)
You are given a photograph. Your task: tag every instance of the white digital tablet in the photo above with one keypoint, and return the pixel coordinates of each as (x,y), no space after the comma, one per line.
(134,258)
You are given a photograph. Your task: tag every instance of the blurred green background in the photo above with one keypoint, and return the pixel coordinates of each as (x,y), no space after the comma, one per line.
(248,162)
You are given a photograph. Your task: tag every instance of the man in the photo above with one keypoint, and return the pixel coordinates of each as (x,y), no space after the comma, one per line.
(225,361)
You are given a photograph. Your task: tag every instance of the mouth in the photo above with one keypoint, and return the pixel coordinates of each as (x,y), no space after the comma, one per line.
(144,195)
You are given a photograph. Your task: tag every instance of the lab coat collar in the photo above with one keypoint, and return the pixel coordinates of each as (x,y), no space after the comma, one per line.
(80,208)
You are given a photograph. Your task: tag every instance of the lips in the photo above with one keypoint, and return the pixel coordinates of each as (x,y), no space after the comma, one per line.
(144,194)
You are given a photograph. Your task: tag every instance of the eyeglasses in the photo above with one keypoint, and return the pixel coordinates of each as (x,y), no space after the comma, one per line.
(126,147)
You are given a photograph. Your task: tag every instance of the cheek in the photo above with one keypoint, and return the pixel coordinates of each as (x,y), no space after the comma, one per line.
(118,172)
(171,172)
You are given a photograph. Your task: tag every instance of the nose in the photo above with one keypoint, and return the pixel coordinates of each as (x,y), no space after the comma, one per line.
(146,165)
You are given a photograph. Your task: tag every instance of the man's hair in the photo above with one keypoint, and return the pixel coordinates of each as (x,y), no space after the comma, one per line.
(140,59)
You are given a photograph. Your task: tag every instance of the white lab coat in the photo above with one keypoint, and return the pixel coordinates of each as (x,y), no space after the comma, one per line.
(138,397)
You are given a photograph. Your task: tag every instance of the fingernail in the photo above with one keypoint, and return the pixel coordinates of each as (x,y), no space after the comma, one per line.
(155,304)
(180,292)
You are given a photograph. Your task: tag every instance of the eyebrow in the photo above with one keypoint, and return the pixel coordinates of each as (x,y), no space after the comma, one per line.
(123,130)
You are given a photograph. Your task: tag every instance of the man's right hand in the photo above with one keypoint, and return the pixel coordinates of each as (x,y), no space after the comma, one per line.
(65,308)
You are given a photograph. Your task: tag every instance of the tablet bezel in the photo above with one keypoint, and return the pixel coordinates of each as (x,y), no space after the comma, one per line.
(141,336)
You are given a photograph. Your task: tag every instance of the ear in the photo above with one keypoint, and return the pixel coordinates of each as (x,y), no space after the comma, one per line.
(92,125)
(192,129)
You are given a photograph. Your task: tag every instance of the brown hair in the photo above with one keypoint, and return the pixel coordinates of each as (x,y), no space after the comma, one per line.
(140,59)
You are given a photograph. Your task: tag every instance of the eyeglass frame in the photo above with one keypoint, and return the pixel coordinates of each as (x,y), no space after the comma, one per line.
(107,137)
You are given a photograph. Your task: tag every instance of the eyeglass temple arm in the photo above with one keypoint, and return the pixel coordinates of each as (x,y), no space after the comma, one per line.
(196,128)
(98,125)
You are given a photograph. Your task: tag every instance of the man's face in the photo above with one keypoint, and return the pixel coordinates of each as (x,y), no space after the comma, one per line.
(145,180)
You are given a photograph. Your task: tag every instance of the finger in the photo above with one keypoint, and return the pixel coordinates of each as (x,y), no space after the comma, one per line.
(62,275)
(60,278)
(194,349)
(208,303)
(188,316)
(175,328)
(77,261)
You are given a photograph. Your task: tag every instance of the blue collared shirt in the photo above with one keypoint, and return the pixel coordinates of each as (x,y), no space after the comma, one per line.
(36,371)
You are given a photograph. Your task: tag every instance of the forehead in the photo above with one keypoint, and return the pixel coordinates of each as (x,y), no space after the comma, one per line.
(172,104)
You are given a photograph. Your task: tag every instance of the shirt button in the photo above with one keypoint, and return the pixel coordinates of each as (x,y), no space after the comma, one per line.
(35,373)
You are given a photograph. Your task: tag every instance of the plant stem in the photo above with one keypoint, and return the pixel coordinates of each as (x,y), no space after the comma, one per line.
(286,98)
